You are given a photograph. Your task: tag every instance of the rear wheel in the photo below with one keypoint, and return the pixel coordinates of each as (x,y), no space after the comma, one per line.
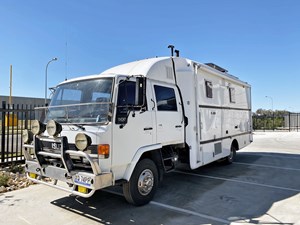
(143,183)
(229,159)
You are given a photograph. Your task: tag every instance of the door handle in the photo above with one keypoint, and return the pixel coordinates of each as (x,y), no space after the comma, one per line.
(148,128)
(178,126)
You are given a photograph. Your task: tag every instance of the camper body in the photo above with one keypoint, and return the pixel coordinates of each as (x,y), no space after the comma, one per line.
(134,122)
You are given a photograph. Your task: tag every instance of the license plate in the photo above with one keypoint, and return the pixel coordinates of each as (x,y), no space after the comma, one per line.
(83,180)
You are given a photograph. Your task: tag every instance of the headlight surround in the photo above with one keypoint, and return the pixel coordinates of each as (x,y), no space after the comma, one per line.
(27,136)
(82,141)
(37,127)
(53,128)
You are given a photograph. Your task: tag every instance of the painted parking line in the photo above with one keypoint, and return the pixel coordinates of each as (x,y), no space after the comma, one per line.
(265,166)
(189,212)
(240,181)
(177,209)
(271,155)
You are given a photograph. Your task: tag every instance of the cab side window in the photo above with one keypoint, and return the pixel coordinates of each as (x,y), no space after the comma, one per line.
(165,98)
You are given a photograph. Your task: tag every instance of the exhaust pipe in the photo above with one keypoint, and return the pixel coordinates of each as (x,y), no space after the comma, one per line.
(172,49)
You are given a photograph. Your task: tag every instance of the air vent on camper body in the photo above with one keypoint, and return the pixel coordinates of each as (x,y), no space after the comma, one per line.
(169,72)
(217,67)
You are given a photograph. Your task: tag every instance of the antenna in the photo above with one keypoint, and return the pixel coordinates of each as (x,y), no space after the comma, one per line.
(66,61)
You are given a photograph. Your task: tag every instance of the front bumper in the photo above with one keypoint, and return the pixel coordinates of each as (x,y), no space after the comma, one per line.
(80,182)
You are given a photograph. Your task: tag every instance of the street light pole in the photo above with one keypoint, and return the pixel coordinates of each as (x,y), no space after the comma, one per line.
(54,59)
(272,109)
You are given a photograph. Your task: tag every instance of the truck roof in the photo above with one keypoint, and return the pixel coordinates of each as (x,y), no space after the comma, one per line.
(156,68)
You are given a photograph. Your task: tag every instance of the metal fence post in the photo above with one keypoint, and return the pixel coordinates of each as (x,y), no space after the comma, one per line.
(297,121)
(3,132)
(289,122)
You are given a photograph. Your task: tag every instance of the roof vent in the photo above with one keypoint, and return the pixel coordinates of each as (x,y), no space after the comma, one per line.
(212,65)
(169,71)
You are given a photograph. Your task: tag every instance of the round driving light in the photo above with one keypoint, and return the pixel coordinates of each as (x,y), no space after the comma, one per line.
(27,136)
(82,141)
(53,128)
(37,127)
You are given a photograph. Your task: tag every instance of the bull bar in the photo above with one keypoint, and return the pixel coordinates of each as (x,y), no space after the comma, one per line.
(37,170)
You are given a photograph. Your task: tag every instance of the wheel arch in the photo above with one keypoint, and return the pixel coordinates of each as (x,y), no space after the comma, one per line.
(235,144)
(151,152)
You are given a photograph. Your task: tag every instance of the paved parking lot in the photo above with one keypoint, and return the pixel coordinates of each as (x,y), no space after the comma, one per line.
(261,187)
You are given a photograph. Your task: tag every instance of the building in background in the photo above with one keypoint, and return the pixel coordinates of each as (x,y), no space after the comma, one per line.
(23,100)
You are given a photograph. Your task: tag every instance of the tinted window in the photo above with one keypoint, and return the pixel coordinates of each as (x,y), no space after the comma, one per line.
(126,94)
(126,99)
(208,88)
(232,95)
(165,98)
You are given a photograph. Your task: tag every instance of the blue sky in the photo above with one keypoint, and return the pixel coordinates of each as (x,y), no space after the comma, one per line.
(257,40)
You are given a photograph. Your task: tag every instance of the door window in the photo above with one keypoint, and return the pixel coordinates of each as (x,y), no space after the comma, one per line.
(165,98)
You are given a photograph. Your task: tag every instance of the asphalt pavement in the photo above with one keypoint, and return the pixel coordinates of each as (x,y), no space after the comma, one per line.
(261,187)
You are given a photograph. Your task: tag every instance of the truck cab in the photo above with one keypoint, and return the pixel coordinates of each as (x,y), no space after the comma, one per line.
(98,129)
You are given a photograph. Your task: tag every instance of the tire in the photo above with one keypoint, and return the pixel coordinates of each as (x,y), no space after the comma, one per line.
(229,159)
(143,183)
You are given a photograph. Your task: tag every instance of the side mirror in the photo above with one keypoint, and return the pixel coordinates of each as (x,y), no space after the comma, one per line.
(140,91)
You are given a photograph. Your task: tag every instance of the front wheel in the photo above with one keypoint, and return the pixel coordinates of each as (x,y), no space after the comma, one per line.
(143,183)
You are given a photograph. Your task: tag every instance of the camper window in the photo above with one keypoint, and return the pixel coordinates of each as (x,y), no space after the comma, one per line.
(232,95)
(208,88)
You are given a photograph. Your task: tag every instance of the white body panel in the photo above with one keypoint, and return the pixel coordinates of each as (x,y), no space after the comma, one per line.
(128,139)
(214,122)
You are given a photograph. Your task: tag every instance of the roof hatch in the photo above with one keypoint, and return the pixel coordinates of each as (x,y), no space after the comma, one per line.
(219,68)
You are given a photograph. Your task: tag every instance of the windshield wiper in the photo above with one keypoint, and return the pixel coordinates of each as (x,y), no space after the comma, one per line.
(79,126)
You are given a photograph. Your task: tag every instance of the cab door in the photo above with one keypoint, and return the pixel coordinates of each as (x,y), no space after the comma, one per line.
(132,126)
(169,119)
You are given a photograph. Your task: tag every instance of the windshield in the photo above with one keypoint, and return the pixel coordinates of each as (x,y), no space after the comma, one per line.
(85,101)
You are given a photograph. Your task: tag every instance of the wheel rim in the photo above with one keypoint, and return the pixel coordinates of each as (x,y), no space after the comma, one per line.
(230,157)
(145,182)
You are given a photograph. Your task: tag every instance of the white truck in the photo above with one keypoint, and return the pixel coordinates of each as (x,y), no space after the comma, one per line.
(134,122)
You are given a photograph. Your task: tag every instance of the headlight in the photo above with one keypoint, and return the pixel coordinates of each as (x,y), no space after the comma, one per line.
(53,128)
(27,136)
(82,141)
(37,127)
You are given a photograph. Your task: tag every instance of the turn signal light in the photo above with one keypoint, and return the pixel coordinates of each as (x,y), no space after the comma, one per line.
(103,151)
